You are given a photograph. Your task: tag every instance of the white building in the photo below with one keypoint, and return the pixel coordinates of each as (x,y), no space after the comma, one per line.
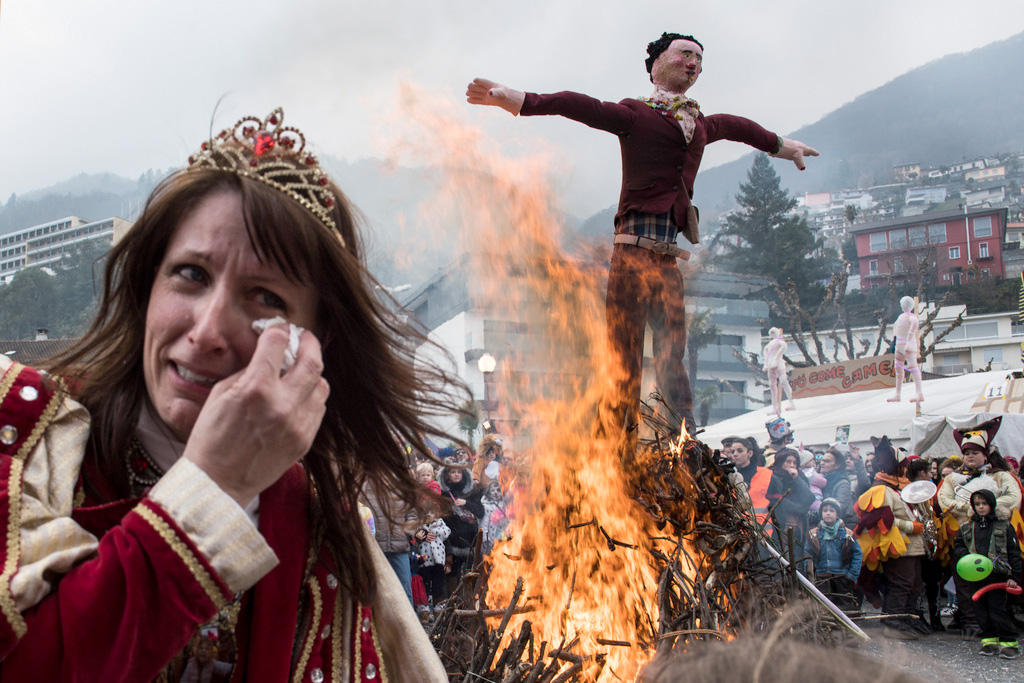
(988,341)
(451,309)
(48,242)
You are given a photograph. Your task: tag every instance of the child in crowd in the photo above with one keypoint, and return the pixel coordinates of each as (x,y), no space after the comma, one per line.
(424,473)
(430,550)
(994,538)
(836,556)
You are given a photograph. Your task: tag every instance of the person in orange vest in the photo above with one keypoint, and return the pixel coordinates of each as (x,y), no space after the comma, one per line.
(760,482)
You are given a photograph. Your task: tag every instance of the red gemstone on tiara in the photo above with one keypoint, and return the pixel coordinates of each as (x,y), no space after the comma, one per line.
(254,162)
(263,144)
(204,146)
(272,120)
(328,202)
(248,131)
(287,143)
(311,160)
(323,180)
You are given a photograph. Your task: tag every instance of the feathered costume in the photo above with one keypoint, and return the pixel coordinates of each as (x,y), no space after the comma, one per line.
(885,521)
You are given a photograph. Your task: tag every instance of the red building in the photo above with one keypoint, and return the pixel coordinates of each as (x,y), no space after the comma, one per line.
(894,248)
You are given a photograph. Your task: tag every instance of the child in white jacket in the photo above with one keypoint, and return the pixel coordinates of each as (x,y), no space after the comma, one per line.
(430,540)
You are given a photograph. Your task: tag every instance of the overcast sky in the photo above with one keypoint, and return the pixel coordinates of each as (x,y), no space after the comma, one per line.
(123,86)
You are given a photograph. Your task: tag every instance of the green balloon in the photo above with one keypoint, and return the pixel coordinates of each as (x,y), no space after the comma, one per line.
(974,567)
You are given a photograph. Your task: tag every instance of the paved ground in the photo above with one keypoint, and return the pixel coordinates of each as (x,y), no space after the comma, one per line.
(944,657)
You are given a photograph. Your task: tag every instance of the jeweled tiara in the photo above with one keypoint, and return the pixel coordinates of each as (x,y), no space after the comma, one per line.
(274,154)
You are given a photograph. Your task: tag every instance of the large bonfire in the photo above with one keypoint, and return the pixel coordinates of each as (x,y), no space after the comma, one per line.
(605,538)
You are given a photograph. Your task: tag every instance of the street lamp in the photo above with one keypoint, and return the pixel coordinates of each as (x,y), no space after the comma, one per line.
(486,364)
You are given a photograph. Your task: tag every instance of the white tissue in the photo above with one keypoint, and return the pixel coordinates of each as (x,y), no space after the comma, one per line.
(294,331)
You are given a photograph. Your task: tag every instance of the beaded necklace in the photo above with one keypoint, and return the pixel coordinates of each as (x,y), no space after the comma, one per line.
(674,105)
(143,472)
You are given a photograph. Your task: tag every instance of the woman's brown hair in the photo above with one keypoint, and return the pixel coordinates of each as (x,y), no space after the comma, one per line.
(379,401)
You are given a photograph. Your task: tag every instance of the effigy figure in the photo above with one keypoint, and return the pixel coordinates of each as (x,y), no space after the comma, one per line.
(775,366)
(906,329)
(662,138)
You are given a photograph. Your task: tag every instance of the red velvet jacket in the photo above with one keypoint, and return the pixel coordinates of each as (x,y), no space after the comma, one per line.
(658,166)
(126,612)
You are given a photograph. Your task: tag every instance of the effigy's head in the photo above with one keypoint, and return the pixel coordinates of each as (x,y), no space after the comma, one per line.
(674,54)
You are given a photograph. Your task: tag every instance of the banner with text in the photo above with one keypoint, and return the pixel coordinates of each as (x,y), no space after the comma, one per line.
(874,372)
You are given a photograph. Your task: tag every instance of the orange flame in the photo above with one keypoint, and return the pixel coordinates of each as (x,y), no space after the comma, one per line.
(574,519)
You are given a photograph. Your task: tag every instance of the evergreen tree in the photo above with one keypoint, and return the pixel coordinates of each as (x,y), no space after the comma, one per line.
(62,297)
(764,238)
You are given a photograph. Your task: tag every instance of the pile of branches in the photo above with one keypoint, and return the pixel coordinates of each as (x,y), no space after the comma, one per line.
(716,579)
(719,574)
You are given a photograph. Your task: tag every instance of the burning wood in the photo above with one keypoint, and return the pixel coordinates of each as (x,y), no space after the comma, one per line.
(714,580)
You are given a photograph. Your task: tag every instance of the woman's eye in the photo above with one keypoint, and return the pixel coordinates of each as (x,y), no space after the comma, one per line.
(271,300)
(191,273)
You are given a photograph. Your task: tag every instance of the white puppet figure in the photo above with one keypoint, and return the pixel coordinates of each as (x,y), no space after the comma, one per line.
(775,366)
(906,329)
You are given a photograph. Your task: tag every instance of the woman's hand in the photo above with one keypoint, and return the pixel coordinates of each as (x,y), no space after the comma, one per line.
(257,423)
(483,91)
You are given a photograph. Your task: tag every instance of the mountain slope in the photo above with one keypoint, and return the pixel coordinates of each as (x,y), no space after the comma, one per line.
(961,106)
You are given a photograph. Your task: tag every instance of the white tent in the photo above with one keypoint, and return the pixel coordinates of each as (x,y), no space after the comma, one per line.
(947,405)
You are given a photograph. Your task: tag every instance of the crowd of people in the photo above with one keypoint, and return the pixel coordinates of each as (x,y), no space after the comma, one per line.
(465,498)
(873,532)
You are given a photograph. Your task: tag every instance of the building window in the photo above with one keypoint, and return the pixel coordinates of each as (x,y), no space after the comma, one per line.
(983,250)
(945,276)
(983,227)
(993,355)
(897,239)
(897,265)
(937,233)
(954,253)
(957,279)
(878,241)
(917,236)
(873,267)
(984,273)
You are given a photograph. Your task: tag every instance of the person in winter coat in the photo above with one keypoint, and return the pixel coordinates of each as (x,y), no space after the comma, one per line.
(791,511)
(393,524)
(860,481)
(464,519)
(987,535)
(809,468)
(837,484)
(835,555)
(760,483)
(430,540)
(496,515)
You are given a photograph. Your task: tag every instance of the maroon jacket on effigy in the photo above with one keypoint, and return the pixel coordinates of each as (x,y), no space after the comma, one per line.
(658,166)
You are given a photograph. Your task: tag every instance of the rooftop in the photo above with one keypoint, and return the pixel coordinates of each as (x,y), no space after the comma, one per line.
(919,219)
